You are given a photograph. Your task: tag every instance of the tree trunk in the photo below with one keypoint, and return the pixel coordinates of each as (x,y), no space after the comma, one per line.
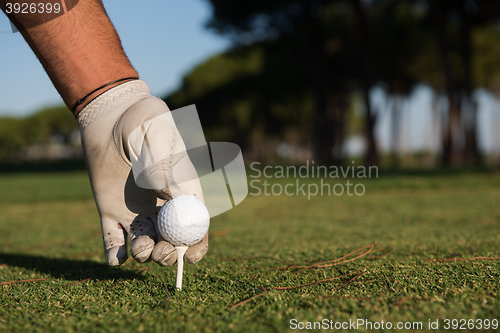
(469,110)
(366,76)
(452,131)
(311,47)
(336,112)
(397,101)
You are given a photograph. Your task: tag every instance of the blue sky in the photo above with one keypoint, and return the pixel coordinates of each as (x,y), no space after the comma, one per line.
(163,39)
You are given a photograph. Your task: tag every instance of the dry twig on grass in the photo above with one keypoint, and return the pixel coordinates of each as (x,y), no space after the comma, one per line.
(19,281)
(116,283)
(399,302)
(256,258)
(328,263)
(301,286)
(347,282)
(247,300)
(72,284)
(339,261)
(462,259)
(318,282)
(323,264)
(389,250)
(168,298)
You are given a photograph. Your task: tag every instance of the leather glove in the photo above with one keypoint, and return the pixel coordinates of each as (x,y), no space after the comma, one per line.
(129,205)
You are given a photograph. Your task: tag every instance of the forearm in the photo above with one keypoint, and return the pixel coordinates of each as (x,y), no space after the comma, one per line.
(79,50)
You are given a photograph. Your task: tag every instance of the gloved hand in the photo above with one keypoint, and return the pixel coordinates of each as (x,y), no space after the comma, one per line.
(125,208)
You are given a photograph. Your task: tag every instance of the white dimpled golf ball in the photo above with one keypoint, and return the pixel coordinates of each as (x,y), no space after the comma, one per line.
(183,221)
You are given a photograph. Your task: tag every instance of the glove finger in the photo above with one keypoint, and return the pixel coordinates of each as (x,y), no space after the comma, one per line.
(115,245)
(164,254)
(196,252)
(142,238)
(116,255)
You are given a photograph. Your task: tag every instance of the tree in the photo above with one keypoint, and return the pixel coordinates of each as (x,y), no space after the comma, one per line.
(454,22)
(248,91)
(327,49)
(307,27)
(38,128)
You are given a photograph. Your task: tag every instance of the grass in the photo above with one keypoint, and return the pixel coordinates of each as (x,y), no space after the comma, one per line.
(49,229)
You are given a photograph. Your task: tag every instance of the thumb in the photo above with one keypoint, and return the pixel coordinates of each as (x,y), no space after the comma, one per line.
(154,147)
(160,179)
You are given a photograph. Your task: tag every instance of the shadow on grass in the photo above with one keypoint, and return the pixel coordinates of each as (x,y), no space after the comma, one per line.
(68,269)
(43,166)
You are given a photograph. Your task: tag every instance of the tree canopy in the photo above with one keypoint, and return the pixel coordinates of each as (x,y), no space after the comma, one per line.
(38,128)
(294,63)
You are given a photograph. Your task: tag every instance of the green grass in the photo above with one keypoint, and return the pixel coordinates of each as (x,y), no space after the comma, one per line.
(49,229)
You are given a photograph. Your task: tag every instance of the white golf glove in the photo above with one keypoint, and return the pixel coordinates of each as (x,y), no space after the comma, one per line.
(129,206)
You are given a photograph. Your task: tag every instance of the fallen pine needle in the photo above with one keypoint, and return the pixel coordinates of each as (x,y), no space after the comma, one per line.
(255,258)
(264,267)
(484,258)
(383,255)
(462,259)
(19,281)
(347,297)
(400,302)
(323,264)
(168,297)
(338,261)
(301,286)
(247,300)
(317,282)
(72,284)
(347,282)
(116,283)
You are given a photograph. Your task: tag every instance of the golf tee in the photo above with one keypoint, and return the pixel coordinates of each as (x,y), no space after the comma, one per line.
(180,265)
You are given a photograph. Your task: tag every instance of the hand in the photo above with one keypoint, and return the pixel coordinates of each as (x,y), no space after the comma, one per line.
(126,205)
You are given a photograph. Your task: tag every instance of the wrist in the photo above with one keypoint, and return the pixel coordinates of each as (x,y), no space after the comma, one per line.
(112,102)
(81,103)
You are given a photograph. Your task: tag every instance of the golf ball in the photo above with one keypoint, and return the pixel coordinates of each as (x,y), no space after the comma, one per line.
(183,220)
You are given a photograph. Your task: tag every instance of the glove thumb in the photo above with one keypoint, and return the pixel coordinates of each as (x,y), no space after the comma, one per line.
(153,146)
(159,178)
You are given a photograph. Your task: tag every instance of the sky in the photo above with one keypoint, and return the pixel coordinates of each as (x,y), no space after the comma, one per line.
(163,40)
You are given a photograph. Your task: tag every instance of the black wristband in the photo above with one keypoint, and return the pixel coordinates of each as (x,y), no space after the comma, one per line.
(82,100)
